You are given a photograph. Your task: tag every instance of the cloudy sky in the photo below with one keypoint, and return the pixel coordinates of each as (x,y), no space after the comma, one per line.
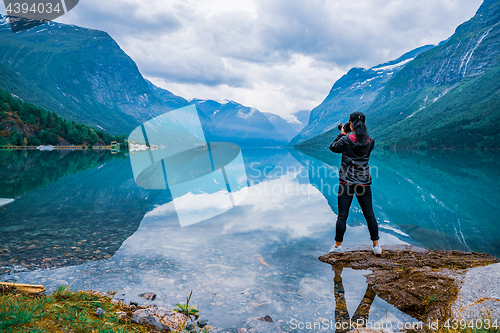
(280,56)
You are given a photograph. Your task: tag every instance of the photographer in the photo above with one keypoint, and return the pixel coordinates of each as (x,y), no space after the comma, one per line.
(355,178)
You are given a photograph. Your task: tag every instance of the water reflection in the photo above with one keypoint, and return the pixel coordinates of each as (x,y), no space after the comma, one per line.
(22,171)
(360,317)
(83,216)
(258,258)
(437,199)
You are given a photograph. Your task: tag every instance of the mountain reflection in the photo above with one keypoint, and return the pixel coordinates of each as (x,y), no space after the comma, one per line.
(439,199)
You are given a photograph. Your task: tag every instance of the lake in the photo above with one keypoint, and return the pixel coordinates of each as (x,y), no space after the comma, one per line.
(80,219)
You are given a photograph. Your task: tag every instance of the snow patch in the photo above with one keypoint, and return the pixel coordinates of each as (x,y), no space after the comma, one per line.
(366,81)
(390,67)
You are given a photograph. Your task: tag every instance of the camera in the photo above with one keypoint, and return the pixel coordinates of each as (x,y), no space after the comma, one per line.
(346,127)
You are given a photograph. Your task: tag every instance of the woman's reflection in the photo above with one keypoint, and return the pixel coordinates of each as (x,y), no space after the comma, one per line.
(343,321)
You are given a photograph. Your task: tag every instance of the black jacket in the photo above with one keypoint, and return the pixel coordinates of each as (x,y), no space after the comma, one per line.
(354,168)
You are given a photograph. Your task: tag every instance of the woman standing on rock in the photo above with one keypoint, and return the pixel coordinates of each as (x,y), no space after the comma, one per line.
(355,178)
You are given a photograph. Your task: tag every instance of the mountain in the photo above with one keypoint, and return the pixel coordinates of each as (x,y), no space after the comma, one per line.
(101,86)
(231,121)
(283,126)
(449,96)
(81,75)
(355,91)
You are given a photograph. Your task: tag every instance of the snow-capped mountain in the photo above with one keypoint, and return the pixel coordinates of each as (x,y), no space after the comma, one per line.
(355,91)
(231,121)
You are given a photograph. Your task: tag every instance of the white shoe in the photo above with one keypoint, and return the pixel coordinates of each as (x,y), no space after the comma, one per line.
(336,249)
(377,250)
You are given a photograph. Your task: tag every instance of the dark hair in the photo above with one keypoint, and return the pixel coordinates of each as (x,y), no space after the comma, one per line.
(358,125)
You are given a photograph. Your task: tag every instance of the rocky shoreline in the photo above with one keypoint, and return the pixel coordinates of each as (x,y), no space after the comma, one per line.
(428,285)
(168,320)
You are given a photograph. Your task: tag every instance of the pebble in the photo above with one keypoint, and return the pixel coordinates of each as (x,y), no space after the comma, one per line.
(99,312)
(122,315)
(149,296)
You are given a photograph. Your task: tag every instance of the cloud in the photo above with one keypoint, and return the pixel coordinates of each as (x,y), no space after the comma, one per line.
(279,56)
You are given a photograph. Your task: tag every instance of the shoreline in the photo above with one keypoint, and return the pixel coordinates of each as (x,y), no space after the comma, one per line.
(81,147)
(425,284)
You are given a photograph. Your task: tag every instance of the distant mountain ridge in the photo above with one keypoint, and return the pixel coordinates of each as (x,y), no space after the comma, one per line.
(354,91)
(289,126)
(231,121)
(447,97)
(100,85)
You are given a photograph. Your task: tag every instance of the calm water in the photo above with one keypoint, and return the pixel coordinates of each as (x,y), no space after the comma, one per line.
(79,219)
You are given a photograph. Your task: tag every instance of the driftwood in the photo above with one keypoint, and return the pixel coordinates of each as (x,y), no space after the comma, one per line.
(27,288)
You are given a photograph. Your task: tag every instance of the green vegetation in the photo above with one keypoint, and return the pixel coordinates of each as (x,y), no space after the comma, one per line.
(24,124)
(52,69)
(439,100)
(68,311)
(63,311)
(192,312)
(467,116)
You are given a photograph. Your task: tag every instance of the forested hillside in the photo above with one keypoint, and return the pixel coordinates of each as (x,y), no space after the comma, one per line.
(24,124)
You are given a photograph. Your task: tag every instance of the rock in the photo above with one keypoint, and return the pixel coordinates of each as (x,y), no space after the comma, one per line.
(165,317)
(148,296)
(117,302)
(99,312)
(144,317)
(263,325)
(479,293)
(121,315)
(190,327)
(421,283)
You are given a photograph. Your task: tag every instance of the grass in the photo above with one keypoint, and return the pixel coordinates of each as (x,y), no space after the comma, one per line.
(63,311)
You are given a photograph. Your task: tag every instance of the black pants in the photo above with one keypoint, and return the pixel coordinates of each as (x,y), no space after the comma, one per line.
(364,196)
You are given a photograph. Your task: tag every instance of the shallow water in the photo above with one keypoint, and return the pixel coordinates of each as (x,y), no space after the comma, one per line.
(96,229)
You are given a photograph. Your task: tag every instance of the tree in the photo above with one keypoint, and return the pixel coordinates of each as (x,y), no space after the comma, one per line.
(17,138)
